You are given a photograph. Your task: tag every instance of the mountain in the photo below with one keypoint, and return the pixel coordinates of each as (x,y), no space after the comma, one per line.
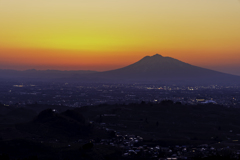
(41,75)
(159,69)
(150,69)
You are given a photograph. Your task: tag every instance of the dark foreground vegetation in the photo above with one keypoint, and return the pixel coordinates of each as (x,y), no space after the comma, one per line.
(131,131)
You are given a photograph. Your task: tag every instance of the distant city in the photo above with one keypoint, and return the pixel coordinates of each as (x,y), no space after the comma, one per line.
(78,95)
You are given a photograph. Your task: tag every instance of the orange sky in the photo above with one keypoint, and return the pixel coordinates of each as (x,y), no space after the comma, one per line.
(108,34)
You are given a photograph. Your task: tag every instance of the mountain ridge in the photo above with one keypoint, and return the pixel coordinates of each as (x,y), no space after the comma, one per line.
(149,69)
(157,68)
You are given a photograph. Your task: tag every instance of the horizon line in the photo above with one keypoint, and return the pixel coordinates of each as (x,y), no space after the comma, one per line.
(89,70)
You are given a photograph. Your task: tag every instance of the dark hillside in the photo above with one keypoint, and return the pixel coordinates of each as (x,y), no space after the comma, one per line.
(51,124)
(171,123)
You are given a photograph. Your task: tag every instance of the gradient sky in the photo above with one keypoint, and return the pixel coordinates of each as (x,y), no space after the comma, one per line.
(108,34)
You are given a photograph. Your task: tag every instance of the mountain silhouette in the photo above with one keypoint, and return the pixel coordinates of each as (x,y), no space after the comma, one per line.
(157,68)
(150,69)
(40,75)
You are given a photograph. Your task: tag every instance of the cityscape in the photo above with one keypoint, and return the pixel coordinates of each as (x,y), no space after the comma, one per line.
(78,95)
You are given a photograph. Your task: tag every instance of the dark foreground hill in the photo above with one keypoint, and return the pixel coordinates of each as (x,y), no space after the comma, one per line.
(55,135)
(50,124)
(170,123)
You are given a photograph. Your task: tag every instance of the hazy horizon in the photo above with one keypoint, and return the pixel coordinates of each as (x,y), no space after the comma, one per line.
(223,69)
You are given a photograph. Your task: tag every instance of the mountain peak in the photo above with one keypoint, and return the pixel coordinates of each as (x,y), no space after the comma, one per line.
(157,55)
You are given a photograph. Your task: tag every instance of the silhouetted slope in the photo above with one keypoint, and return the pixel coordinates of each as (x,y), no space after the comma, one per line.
(19,115)
(50,124)
(166,69)
(74,115)
(11,114)
(41,75)
(150,69)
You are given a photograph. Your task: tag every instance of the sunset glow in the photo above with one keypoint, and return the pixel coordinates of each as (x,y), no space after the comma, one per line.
(109,34)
